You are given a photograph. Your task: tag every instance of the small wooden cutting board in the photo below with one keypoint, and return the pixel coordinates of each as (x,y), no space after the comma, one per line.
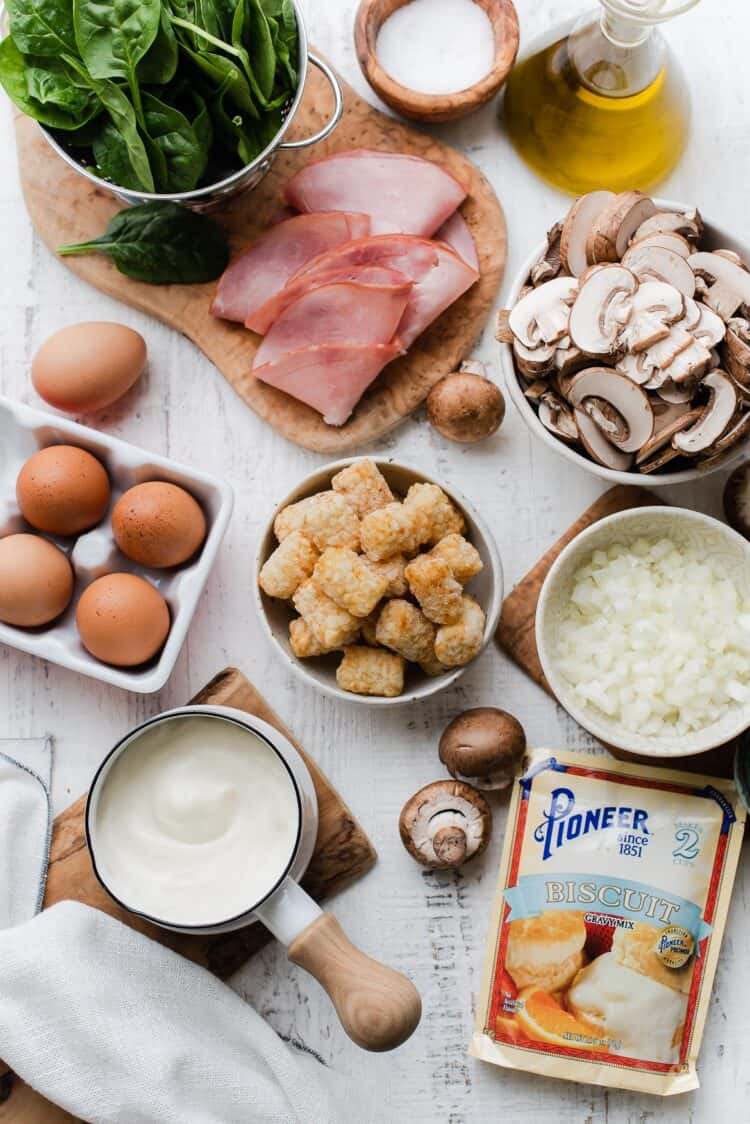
(64,207)
(342,854)
(516,630)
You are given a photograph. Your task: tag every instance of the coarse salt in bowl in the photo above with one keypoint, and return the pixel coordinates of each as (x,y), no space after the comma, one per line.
(320,671)
(711,540)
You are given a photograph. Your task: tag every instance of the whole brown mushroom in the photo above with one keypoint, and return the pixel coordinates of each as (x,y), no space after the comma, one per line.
(445,824)
(465,406)
(483,746)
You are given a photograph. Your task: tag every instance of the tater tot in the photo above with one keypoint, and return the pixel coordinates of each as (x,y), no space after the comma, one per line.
(332,626)
(432,666)
(369,627)
(435,588)
(393,568)
(393,529)
(443,517)
(292,561)
(457,644)
(363,485)
(405,629)
(371,671)
(349,580)
(462,558)
(326,518)
(302,640)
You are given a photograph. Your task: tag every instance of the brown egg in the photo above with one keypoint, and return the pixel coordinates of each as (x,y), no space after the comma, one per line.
(62,490)
(88,366)
(36,581)
(158,524)
(122,620)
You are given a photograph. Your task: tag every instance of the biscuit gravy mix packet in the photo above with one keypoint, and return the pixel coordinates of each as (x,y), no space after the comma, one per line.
(614,891)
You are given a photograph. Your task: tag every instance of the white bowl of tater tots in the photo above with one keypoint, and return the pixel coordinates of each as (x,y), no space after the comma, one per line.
(377,583)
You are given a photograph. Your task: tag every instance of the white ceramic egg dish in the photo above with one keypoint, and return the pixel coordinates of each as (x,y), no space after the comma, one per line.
(23,431)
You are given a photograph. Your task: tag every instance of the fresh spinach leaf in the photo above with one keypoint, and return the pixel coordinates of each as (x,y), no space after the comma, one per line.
(114,35)
(225,74)
(113,158)
(241,28)
(185,159)
(42,28)
(54,114)
(260,47)
(123,117)
(161,244)
(236,133)
(159,65)
(50,84)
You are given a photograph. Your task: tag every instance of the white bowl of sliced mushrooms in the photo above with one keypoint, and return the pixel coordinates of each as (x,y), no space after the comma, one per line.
(626,343)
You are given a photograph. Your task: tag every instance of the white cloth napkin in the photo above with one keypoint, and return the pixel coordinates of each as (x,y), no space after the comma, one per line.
(119,1030)
(116,1028)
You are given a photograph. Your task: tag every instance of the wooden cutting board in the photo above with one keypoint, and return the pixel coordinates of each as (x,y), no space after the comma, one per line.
(64,207)
(516,630)
(342,854)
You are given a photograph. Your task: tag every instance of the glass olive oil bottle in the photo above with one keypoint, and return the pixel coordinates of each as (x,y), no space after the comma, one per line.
(606,106)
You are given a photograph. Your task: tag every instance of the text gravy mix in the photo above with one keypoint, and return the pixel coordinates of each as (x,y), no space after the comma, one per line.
(614,890)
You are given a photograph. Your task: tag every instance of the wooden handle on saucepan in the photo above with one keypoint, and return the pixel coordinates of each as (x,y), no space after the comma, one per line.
(378,1007)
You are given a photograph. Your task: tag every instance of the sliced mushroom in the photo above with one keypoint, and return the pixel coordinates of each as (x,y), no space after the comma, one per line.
(536,390)
(729,282)
(710,329)
(624,396)
(598,447)
(548,265)
(664,352)
(483,747)
(570,360)
(737,430)
(616,224)
(659,460)
(714,419)
(541,317)
(654,263)
(690,364)
(576,228)
(534,363)
(668,240)
(445,824)
(687,223)
(676,395)
(673,420)
(638,366)
(610,421)
(656,305)
(556,416)
(737,354)
(503,333)
(601,309)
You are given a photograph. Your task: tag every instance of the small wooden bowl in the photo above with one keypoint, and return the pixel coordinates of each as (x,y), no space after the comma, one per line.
(371,16)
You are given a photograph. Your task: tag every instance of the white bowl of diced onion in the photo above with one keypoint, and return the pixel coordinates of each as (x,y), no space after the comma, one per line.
(320,671)
(643,631)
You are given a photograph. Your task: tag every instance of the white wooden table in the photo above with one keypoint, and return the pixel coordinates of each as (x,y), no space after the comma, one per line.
(431,925)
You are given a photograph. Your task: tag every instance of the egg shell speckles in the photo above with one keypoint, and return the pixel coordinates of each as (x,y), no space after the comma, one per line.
(122,620)
(158,524)
(63,490)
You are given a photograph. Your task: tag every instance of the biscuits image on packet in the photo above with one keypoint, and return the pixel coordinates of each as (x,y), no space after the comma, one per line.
(614,889)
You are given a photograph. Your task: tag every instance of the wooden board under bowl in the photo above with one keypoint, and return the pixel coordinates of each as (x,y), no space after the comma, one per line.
(64,207)
(342,854)
(516,631)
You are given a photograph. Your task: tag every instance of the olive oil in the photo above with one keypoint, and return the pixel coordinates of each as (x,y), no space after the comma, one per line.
(604,107)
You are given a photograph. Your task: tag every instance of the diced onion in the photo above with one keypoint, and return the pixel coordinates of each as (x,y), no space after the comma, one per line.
(656,636)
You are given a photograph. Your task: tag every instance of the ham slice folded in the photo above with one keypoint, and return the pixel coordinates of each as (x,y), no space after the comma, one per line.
(261,320)
(457,235)
(400,193)
(341,313)
(263,269)
(440,276)
(330,377)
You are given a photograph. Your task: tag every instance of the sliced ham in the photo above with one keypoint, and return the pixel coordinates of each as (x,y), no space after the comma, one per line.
(400,193)
(439,274)
(457,235)
(263,318)
(330,378)
(264,268)
(338,313)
